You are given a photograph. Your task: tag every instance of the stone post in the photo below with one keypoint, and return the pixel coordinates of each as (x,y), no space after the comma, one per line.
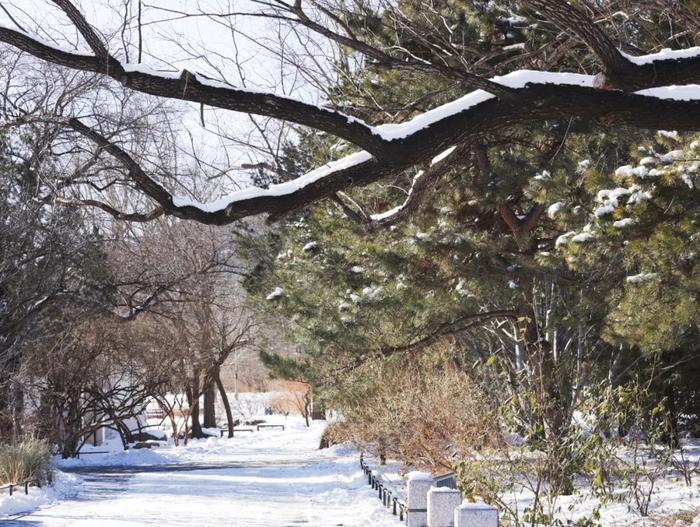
(476,515)
(442,502)
(418,485)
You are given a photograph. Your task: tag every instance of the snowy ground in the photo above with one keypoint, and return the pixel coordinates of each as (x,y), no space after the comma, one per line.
(272,478)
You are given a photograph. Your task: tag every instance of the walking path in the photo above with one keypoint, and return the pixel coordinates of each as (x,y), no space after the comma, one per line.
(269,478)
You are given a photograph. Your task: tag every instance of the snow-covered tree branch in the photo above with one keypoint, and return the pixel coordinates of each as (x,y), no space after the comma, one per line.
(636,91)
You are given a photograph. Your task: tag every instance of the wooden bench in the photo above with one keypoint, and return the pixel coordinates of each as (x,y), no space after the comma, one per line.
(78,454)
(270,426)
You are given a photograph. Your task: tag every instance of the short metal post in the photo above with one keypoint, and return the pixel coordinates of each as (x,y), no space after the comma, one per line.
(393,509)
(26,487)
(10,490)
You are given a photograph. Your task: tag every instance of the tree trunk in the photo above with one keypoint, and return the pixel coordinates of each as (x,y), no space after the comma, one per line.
(225,401)
(210,405)
(307,407)
(673,438)
(17,410)
(318,410)
(548,386)
(193,399)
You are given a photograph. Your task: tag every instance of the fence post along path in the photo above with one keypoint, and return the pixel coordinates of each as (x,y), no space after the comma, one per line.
(476,515)
(442,502)
(418,486)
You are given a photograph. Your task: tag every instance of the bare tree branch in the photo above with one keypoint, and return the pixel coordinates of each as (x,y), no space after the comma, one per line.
(85,29)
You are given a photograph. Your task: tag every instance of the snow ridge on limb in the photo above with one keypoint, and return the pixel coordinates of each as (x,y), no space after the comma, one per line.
(280,189)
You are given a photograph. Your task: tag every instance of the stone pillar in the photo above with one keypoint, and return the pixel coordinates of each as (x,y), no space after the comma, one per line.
(442,502)
(476,515)
(418,485)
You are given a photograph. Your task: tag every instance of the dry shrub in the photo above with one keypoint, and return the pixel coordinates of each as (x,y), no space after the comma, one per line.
(25,461)
(425,412)
(335,434)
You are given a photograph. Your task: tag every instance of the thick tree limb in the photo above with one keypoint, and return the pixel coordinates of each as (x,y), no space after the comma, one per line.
(190,87)
(570,18)
(540,96)
(620,71)
(536,103)
(85,29)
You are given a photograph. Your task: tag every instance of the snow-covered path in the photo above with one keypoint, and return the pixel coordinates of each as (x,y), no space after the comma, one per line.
(273,479)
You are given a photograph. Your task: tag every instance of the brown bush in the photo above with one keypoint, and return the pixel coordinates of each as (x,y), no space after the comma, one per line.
(427,413)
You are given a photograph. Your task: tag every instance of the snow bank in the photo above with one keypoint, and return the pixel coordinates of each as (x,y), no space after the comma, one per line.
(64,486)
(141,456)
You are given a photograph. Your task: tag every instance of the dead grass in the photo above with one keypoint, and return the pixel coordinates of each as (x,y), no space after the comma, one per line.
(25,461)
(677,519)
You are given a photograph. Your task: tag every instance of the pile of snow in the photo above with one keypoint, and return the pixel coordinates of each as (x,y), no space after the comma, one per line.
(582,237)
(64,486)
(625,222)
(134,457)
